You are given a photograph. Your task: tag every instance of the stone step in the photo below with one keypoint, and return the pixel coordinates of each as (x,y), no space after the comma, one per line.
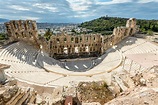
(120,82)
(126,78)
(114,88)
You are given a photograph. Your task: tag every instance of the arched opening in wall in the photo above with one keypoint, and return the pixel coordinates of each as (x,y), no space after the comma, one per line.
(91,49)
(72,39)
(94,38)
(87,48)
(80,49)
(94,48)
(76,50)
(7,26)
(87,38)
(65,50)
(76,40)
(105,40)
(131,31)
(101,40)
(62,49)
(80,39)
(100,50)
(30,35)
(65,40)
(84,49)
(58,41)
(16,35)
(69,50)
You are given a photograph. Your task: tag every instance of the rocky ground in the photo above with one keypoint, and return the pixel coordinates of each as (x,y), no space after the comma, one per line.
(124,89)
(145,91)
(141,89)
(138,96)
(14,95)
(94,92)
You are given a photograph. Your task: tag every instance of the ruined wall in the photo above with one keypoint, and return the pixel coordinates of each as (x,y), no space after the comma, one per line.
(123,32)
(61,46)
(88,45)
(75,45)
(22,30)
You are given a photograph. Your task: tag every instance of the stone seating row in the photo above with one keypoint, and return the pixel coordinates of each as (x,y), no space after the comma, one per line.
(20,53)
(143,48)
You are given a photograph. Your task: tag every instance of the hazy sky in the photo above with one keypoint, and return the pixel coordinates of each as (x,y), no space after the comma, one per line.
(77,10)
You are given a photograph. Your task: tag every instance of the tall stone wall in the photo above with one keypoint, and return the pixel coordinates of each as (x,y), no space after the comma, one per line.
(20,30)
(123,32)
(75,45)
(61,46)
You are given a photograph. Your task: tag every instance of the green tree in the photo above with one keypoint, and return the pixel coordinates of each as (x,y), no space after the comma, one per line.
(3,36)
(150,32)
(48,34)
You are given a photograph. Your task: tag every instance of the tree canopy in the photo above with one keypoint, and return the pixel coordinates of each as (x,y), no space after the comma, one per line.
(48,34)
(105,25)
(3,36)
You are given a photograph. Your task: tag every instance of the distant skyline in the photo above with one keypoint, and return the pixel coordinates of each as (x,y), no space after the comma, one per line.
(76,11)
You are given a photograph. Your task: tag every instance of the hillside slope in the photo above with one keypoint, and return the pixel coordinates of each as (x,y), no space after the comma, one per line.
(105,25)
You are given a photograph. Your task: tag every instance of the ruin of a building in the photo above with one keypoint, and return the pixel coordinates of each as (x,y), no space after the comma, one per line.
(67,46)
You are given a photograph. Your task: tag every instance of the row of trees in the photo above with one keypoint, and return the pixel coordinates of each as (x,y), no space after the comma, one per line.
(105,25)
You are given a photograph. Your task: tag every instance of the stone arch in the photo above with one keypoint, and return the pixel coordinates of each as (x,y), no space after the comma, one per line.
(80,39)
(65,39)
(72,39)
(58,40)
(94,38)
(76,40)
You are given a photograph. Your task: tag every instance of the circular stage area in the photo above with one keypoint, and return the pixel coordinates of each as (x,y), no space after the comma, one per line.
(29,65)
(108,61)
